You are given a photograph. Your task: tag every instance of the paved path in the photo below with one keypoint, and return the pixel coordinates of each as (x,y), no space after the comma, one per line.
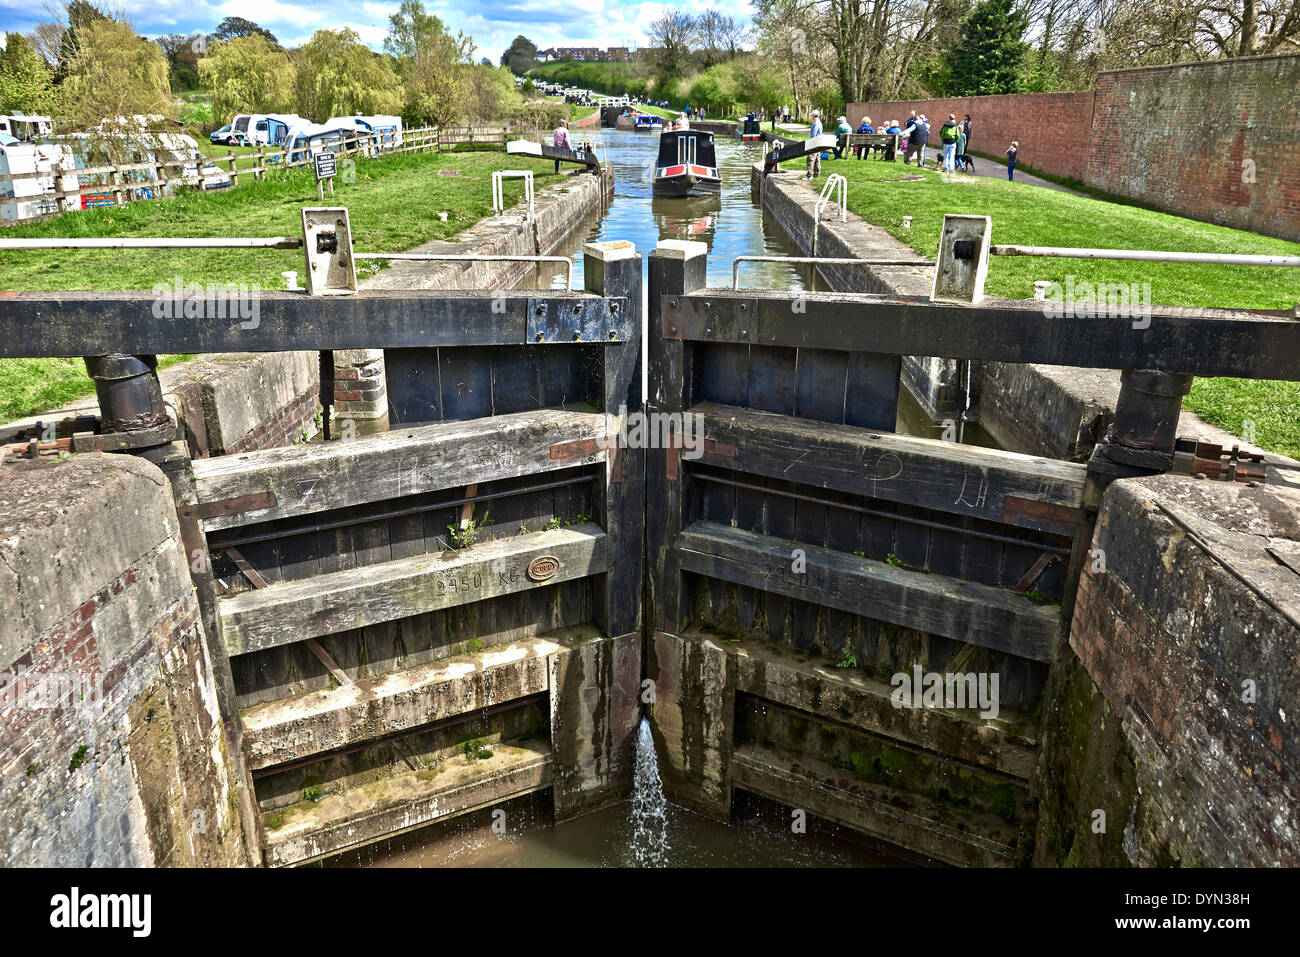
(998,170)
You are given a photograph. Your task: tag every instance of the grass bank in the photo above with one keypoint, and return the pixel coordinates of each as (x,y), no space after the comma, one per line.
(393,205)
(1034,216)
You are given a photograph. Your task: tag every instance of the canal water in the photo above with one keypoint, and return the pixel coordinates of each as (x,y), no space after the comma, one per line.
(647,830)
(730,223)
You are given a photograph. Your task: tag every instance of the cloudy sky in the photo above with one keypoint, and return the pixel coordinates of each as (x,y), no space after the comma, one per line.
(492,23)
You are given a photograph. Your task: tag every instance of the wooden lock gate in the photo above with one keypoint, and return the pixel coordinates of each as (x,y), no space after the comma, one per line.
(471,581)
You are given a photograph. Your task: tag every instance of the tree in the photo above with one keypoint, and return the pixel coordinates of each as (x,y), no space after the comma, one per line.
(710,28)
(430,61)
(671,37)
(81,16)
(247,75)
(733,35)
(990,50)
(520,56)
(182,53)
(26,82)
(116,77)
(232,28)
(490,92)
(338,75)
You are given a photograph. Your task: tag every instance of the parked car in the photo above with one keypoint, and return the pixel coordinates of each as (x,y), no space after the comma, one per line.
(229,136)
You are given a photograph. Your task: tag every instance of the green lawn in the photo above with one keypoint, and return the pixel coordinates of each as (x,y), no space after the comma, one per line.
(1035,216)
(393,205)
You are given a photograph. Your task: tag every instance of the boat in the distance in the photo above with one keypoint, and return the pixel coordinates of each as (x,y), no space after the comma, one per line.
(687,165)
(640,122)
(749,130)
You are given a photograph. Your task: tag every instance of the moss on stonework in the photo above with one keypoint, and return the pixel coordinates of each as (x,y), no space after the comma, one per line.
(1088,767)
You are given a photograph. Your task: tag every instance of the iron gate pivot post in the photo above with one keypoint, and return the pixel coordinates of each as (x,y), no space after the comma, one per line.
(1142,436)
(130,404)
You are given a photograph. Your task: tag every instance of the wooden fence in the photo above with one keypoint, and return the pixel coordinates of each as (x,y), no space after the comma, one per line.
(123,182)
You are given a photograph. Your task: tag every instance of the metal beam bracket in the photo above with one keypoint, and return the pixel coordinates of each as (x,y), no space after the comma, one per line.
(577,320)
(327,242)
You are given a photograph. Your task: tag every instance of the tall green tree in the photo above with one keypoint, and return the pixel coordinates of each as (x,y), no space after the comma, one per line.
(338,75)
(116,78)
(26,82)
(520,56)
(234,27)
(81,17)
(990,50)
(247,75)
(431,62)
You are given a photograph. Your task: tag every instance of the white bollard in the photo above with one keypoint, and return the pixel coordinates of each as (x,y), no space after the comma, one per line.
(1040,289)
(907,222)
(290,279)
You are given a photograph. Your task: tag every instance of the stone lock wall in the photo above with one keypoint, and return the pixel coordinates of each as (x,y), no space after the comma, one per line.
(240,403)
(1175,714)
(112,750)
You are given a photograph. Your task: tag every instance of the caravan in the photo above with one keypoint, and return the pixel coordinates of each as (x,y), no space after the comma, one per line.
(26,128)
(30,194)
(266,129)
(385,130)
(310,139)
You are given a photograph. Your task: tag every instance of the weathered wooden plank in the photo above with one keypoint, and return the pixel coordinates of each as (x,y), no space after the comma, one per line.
(68,323)
(293,611)
(962,479)
(1006,743)
(978,614)
(674,267)
(1208,342)
(315,478)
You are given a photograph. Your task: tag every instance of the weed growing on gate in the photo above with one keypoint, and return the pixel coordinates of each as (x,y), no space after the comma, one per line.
(466,535)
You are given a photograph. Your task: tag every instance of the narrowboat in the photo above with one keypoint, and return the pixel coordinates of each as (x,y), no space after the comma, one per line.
(750,130)
(686,165)
(640,122)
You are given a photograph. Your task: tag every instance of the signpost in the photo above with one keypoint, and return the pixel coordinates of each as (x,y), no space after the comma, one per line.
(326,169)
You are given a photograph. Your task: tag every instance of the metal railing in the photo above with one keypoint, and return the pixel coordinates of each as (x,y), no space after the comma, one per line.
(499,190)
(836,184)
(1146,255)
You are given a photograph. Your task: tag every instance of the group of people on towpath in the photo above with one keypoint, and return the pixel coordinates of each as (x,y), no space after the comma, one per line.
(954,139)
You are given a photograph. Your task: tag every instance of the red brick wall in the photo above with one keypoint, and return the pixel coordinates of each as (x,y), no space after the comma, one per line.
(1210,141)
(1052,128)
(1187,139)
(285,427)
